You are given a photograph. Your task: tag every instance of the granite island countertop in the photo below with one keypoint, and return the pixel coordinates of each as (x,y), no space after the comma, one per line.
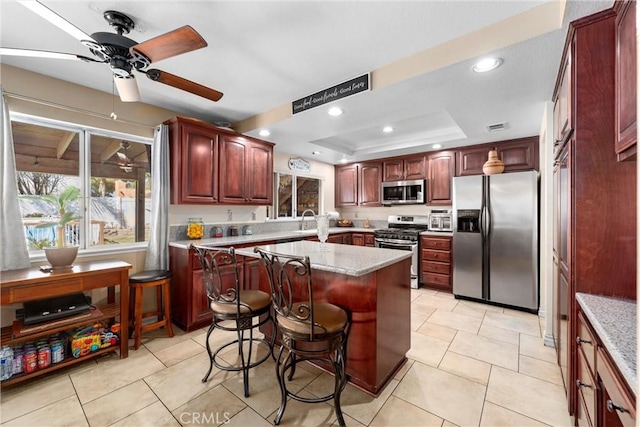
(336,258)
(264,237)
(614,320)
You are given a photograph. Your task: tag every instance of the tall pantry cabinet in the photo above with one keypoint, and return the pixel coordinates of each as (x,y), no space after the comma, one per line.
(595,195)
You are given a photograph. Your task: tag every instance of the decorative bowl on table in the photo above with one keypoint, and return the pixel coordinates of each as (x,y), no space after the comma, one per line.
(344,223)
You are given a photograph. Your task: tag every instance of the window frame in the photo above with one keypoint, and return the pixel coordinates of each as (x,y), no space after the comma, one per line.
(272,216)
(84,177)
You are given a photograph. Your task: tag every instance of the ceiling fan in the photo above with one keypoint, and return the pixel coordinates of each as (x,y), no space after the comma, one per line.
(123,54)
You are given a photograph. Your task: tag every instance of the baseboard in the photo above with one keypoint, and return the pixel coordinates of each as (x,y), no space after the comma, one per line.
(548,340)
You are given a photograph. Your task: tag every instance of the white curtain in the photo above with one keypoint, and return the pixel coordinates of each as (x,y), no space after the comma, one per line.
(158,248)
(14,253)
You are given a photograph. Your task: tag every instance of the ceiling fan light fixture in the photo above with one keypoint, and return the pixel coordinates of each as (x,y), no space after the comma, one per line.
(127,88)
(487,64)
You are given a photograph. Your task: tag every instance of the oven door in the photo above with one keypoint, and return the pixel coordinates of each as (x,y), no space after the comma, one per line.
(404,246)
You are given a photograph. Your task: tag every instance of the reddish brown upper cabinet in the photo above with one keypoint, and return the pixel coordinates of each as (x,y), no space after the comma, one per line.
(626,80)
(346,185)
(562,118)
(405,168)
(246,170)
(194,161)
(370,184)
(439,185)
(517,155)
(358,184)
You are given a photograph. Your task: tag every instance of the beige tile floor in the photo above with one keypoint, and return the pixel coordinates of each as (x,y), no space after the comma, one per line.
(469,364)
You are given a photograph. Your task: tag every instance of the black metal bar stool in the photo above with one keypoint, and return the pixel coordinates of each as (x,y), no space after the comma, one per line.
(311,330)
(159,279)
(228,302)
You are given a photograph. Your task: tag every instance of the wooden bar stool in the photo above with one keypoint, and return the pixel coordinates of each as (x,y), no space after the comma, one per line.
(160,279)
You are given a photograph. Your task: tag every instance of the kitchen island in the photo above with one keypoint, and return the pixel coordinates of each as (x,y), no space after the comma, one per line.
(373,284)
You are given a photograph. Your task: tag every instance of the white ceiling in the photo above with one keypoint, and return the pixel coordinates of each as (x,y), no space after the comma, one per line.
(263,55)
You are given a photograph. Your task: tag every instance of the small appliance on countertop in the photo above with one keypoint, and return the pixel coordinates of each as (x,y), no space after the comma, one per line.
(440,220)
(246,230)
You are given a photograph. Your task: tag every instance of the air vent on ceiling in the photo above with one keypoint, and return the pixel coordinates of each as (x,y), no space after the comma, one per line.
(497,127)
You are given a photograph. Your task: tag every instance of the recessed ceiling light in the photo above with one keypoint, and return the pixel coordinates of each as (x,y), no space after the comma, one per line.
(335,111)
(436,146)
(387,129)
(343,160)
(264,132)
(315,153)
(487,64)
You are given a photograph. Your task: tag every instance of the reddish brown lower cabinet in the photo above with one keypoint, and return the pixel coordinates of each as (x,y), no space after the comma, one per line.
(603,398)
(435,262)
(189,302)
(369,240)
(357,239)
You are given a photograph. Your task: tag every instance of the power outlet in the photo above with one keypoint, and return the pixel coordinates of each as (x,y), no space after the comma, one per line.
(356,214)
(229,215)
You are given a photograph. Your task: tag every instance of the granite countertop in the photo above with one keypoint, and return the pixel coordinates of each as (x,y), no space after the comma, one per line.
(337,258)
(614,320)
(264,237)
(437,233)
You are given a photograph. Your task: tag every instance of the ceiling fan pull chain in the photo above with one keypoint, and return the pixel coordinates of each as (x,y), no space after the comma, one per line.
(113,114)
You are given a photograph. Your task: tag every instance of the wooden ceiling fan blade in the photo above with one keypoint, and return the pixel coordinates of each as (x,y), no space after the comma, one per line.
(176,42)
(127,88)
(184,84)
(8,51)
(57,20)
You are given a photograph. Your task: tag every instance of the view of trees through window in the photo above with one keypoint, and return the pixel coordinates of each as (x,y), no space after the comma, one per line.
(115,199)
(291,204)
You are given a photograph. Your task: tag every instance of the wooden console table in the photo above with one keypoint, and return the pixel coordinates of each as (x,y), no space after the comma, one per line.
(18,286)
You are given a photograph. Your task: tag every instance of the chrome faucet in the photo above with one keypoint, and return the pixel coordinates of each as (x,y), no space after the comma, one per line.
(302,223)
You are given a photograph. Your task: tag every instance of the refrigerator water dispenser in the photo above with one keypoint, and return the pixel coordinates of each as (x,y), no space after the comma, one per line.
(468,221)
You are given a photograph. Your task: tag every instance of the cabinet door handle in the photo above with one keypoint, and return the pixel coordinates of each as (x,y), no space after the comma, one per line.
(581,341)
(611,407)
(581,384)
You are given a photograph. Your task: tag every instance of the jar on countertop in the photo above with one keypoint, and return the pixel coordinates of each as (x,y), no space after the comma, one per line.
(195,228)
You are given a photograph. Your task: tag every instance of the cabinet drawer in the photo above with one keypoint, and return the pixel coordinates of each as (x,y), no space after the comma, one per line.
(582,417)
(61,287)
(587,343)
(443,256)
(618,405)
(587,389)
(435,278)
(441,244)
(436,267)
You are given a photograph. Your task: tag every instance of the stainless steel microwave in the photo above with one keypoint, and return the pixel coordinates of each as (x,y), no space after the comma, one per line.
(404,192)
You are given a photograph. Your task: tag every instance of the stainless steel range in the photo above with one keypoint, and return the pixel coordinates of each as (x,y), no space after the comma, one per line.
(404,234)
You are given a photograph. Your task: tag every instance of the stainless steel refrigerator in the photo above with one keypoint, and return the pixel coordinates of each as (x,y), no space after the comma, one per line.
(495,238)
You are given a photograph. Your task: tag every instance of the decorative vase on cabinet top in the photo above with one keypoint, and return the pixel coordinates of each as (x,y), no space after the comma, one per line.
(494,165)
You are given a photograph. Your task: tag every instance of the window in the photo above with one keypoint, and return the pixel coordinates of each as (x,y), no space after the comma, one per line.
(111,170)
(290,203)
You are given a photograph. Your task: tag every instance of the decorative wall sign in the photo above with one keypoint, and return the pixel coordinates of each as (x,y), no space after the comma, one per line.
(299,164)
(339,91)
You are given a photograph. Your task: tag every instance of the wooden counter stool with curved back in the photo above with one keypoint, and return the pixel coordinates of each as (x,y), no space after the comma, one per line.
(311,330)
(228,302)
(159,279)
